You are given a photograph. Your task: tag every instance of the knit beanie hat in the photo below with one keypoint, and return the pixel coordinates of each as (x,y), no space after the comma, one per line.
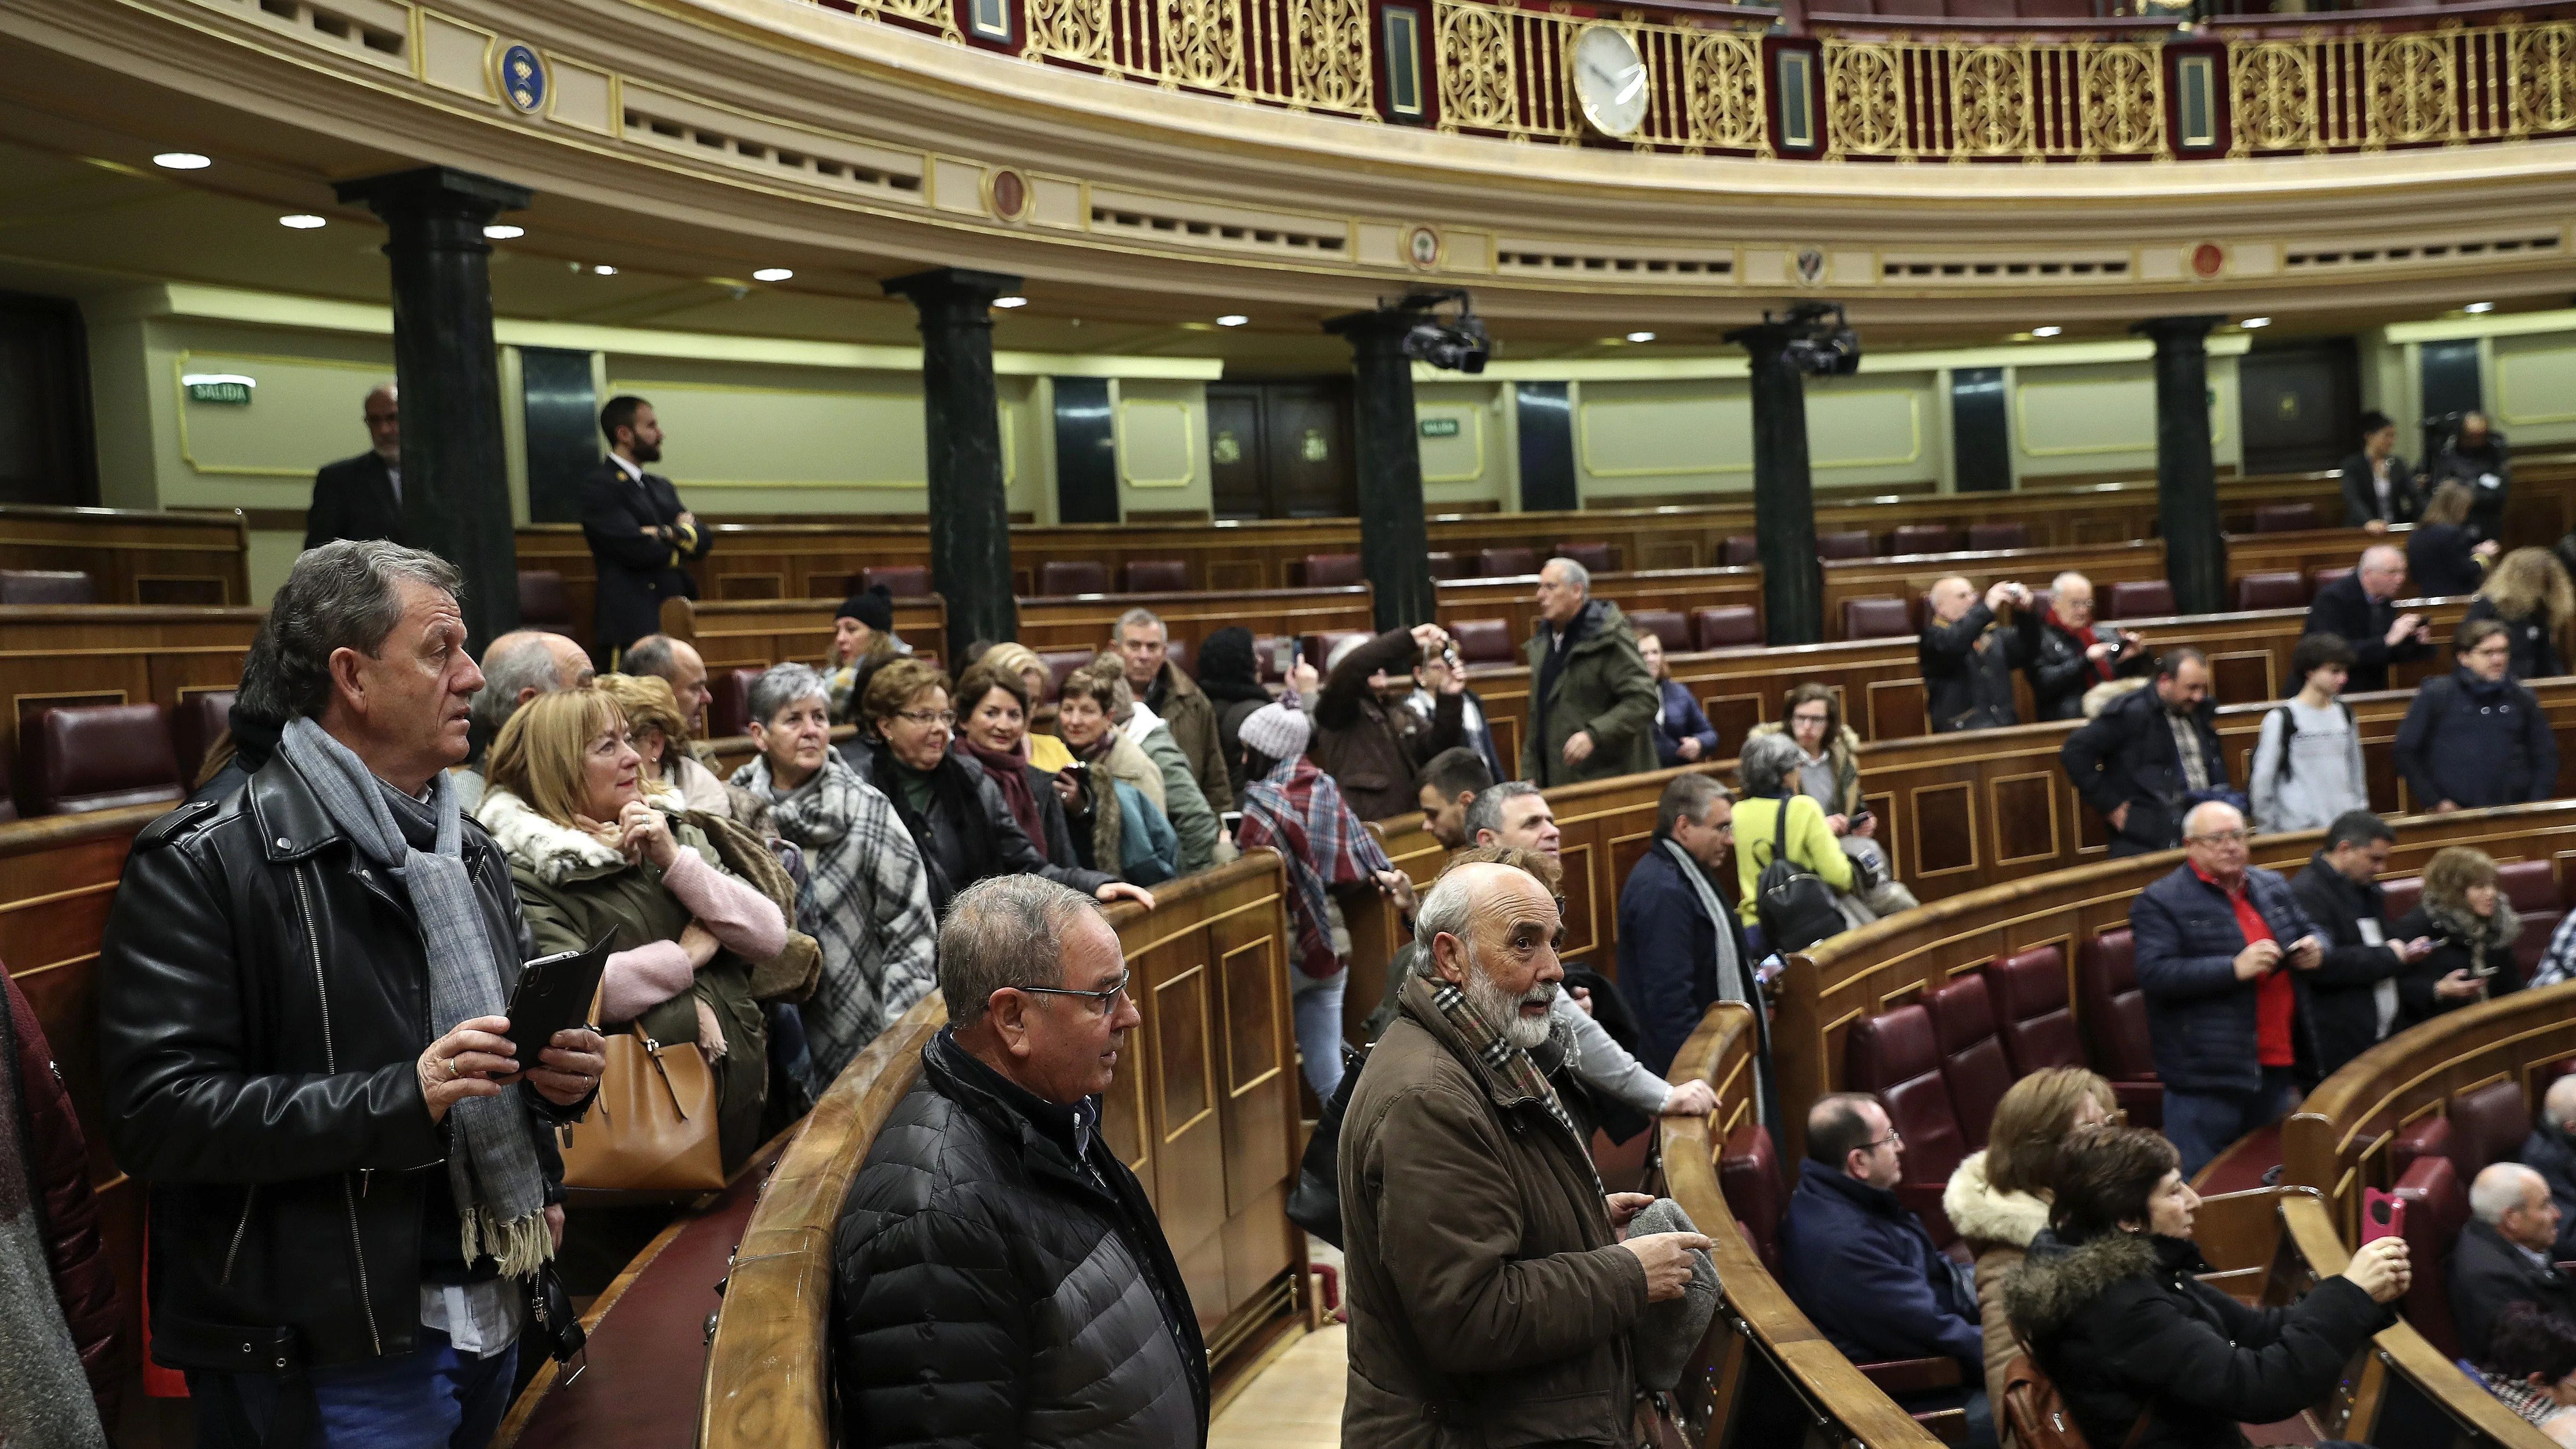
(1278,730)
(874,608)
(1227,654)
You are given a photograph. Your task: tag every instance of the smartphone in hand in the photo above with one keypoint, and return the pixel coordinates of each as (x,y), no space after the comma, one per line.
(2383,1215)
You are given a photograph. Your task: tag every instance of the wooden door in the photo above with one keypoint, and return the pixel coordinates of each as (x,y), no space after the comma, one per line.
(1306,426)
(1235,451)
(2301,405)
(45,443)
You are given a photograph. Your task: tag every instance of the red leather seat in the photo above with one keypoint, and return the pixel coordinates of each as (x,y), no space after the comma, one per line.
(1329,570)
(1898,1056)
(1730,626)
(1972,1056)
(2032,1013)
(47,586)
(1449,566)
(1319,647)
(1739,550)
(2487,1125)
(2285,590)
(1985,536)
(1664,624)
(1060,665)
(1877,618)
(2115,1021)
(98,757)
(2285,517)
(2530,884)
(201,716)
(1596,557)
(2429,1137)
(1076,576)
(1924,538)
(1483,641)
(543,601)
(1506,563)
(1844,543)
(904,581)
(2436,1209)
(2402,895)
(2148,599)
(729,708)
(2319,578)
(1748,1176)
(1157,576)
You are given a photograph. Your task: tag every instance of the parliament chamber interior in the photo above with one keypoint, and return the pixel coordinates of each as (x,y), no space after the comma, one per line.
(2113,460)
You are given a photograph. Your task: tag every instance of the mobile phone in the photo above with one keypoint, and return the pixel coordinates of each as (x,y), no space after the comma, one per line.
(1283,655)
(1232,820)
(554,994)
(2383,1215)
(1861,819)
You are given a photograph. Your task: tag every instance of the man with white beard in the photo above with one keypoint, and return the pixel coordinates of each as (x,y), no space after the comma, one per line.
(1490,1285)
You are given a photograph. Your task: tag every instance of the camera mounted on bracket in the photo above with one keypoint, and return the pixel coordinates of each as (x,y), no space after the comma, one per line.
(1458,344)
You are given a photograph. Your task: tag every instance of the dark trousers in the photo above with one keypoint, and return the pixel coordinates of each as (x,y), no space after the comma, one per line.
(2202,1125)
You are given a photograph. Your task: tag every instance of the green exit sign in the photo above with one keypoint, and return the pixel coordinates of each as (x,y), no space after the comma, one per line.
(223,389)
(1439,427)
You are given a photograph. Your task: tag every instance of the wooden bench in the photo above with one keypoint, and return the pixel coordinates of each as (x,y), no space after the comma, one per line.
(60,655)
(198,559)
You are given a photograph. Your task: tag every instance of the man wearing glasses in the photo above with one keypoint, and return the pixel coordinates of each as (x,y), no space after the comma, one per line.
(1000,1277)
(1861,1266)
(2478,737)
(2223,948)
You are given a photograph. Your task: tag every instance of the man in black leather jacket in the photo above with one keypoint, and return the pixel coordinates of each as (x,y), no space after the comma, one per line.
(272,1065)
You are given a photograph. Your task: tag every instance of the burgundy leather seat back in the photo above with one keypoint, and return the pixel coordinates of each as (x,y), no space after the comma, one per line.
(2032,1013)
(1446,565)
(2150,599)
(2403,894)
(1748,1175)
(1728,626)
(2285,517)
(1972,1056)
(2530,884)
(1924,538)
(194,725)
(543,601)
(1483,641)
(904,581)
(1074,576)
(1595,557)
(1060,665)
(1156,576)
(2284,590)
(1498,563)
(729,710)
(1331,570)
(1844,543)
(1985,536)
(1897,1054)
(98,757)
(2429,1137)
(2487,1125)
(1739,550)
(2115,1024)
(2319,578)
(1664,624)
(1319,647)
(2436,1209)
(1876,618)
(47,586)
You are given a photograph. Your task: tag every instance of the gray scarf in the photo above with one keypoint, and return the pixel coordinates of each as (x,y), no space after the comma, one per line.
(491,1163)
(1734,983)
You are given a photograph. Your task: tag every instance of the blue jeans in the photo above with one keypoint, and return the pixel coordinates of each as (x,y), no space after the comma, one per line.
(430,1398)
(1317,1006)
(2202,1125)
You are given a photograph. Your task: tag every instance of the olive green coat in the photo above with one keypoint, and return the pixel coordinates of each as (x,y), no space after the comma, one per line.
(1603,688)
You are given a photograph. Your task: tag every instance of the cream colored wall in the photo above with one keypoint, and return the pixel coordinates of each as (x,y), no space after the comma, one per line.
(2531,387)
(1161,431)
(2091,418)
(1482,463)
(1645,437)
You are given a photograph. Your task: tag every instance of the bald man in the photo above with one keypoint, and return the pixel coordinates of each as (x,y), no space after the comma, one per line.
(2503,1255)
(2550,1150)
(519,666)
(2361,608)
(361,497)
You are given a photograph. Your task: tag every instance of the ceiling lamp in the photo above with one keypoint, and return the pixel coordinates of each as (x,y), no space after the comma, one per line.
(772,274)
(181,161)
(2046,331)
(301,221)
(503,231)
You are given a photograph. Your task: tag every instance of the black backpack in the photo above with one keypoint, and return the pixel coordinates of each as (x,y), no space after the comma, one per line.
(1795,905)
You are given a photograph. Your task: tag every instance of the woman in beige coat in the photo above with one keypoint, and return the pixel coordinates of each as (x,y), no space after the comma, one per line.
(1998,1199)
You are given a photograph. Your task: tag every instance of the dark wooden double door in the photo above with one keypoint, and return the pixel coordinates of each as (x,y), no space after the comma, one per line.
(1282,449)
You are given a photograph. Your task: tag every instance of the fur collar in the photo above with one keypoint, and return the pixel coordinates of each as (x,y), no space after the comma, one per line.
(2467,928)
(2054,1282)
(1985,1216)
(554,853)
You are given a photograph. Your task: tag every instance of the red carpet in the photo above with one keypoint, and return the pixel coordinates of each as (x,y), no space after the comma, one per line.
(2241,1167)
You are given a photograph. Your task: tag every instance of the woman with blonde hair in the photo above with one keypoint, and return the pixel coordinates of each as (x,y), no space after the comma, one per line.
(1037,682)
(2472,928)
(2442,557)
(2527,591)
(1998,1199)
(593,856)
(662,739)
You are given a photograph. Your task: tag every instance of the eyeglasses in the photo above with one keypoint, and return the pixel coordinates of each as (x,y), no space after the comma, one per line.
(2224,837)
(1103,1003)
(1893,1138)
(925,718)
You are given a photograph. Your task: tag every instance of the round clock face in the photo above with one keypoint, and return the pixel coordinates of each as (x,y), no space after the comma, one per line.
(1610,80)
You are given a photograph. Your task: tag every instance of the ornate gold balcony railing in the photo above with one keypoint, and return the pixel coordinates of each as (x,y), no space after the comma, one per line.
(2025,102)
(1502,70)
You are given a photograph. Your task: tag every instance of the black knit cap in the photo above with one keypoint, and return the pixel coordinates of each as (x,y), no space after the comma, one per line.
(1227,654)
(874,608)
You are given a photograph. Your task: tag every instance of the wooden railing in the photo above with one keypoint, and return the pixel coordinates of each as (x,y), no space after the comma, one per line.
(193,559)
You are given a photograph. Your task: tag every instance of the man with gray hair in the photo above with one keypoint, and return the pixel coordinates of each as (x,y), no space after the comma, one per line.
(1000,1275)
(2360,608)
(1681,947)
(675,662)
(1163,690)
(517,667)
(1514,812)
(1592,698)
(1491,1280)
(2503,1254)
(302,1015)
(2550,1150)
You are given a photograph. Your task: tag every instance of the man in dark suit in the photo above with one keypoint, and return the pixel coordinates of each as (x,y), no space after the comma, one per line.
(2502,1256)
(2378,488)
(640,536)
(361,497)
(2358,608)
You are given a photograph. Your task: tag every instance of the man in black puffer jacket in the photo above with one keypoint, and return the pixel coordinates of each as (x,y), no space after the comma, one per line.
(999,1277)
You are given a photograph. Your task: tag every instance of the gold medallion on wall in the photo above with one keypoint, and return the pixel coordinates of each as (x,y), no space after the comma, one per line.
(519,77)
(1807,264)
(1422,248)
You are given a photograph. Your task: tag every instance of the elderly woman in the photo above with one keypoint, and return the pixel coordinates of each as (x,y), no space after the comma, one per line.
(1683,734)
(962,821)
(594,857)
(864,876)
(863,642)
(1775,822)
(2530,1364)
(1037,686)
(1202,836)
(653,719)
(1112,794)
(993,732)
(2108,1302)
(1829,774)
(2473,929)
(1998,1199)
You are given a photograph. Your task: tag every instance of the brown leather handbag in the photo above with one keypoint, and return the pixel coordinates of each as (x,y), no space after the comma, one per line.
(650,1135)
(2037,1413)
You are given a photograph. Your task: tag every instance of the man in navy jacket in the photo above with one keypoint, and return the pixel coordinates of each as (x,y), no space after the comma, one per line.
(1672,964)
(2216,942)
(1861,1266)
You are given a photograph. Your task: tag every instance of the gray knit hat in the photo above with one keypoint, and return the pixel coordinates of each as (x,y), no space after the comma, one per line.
(1663,1341)
(1279,729)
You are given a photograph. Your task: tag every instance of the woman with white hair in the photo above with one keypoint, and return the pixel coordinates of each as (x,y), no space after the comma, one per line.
(1774,821)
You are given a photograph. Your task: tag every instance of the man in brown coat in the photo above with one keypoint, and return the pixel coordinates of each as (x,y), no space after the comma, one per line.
(1375,747)
(1489,1286)
(1158,684)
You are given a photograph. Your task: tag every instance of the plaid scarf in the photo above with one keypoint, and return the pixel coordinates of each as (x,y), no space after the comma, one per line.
(1496,1051)
(1297,810)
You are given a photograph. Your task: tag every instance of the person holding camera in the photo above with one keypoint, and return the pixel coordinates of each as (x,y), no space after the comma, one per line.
(2072,656)
(1375,747)
(1968,659)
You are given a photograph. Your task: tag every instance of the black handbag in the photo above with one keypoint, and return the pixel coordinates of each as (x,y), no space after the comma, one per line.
(1315,1203)
(1795,905)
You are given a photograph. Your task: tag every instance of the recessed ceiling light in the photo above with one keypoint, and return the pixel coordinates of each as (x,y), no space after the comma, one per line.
(2046,331)
(301,221)
(1010,301)
(2251,322)
(604,271)
(772,274)
(1232,319)
(503,231)
(1641,336)
(181,161)
(2479,307)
